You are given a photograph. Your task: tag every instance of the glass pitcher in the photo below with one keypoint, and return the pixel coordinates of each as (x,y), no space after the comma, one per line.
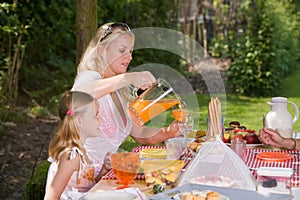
(152,102)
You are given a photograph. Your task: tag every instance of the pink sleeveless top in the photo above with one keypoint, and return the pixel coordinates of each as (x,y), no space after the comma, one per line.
(113,128)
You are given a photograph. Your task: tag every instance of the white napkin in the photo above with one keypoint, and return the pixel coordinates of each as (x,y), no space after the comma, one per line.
(136,191)
(75,195)
(140,195)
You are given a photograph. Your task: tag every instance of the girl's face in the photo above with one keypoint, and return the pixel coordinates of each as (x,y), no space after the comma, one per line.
(90,123)
(119,55)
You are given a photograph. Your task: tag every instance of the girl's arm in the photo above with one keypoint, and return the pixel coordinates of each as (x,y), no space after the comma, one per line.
(105,167)
(65,169)
(99,88)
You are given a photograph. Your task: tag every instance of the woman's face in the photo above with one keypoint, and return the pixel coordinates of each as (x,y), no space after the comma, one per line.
(119,55)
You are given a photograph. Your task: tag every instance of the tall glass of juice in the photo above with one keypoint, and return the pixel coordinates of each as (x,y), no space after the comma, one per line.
(125,166)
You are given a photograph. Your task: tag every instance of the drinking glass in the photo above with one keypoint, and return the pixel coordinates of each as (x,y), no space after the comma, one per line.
(125,166)
(186,126)
(239,147)
(180,111)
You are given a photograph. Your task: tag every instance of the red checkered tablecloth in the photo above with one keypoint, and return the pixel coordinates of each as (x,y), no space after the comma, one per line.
(110,175)
(253,162)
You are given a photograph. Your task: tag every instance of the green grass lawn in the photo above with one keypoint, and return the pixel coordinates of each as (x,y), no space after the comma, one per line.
(248,111)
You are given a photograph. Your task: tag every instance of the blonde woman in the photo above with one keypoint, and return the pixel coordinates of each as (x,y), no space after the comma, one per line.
(102,73)
(71,168)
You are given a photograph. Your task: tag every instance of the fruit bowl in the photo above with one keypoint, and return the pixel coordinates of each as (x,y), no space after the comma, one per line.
(249,135)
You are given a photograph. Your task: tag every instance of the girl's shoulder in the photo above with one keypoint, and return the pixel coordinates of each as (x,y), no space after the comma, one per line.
(71,154)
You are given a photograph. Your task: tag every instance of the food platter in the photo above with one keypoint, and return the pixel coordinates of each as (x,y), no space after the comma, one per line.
(196,193)
(248,145)
(274,156)
(230,193)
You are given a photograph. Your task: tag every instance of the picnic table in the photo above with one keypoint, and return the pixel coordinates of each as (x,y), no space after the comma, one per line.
(108,182)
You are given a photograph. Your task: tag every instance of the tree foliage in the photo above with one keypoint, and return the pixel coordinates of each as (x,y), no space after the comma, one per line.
(48,59)
(13,32)
(266,51)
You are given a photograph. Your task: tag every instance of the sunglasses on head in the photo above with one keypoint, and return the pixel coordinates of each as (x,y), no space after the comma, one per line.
(110,28)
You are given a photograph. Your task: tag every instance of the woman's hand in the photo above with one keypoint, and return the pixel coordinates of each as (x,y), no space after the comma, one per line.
(141,80)
(173,130)
(270,137)
(107,161)
(273,138)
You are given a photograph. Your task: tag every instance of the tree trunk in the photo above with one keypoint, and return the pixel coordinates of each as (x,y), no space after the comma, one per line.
(86,24)
(13,73)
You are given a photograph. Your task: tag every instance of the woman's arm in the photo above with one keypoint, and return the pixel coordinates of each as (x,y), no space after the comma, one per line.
(147,135)
(99,88)
(289,143)
(65,169)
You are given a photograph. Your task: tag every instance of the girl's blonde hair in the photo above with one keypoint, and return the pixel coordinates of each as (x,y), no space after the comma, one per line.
(73,104)
(107,33)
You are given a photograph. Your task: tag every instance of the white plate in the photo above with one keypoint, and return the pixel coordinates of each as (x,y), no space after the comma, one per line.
(111,195)
(181,139)
(248,145)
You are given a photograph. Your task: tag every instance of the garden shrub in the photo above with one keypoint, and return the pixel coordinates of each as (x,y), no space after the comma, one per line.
(266,52)
(263,48)
(35,186)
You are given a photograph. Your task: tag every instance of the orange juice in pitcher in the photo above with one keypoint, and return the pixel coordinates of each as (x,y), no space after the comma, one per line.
(148,110)
(152,102)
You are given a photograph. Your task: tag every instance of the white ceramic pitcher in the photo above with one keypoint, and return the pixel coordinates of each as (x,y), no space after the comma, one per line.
(279,115)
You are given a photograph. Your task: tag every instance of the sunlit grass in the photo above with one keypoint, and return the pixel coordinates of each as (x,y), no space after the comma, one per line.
(248,111)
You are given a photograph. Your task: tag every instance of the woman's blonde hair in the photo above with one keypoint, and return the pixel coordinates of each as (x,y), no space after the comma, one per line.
(73,104)
(107,33)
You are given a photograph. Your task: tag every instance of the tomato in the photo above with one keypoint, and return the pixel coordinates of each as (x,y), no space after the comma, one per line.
(239,137)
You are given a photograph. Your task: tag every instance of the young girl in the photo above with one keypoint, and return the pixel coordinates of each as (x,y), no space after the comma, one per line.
(71,168)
